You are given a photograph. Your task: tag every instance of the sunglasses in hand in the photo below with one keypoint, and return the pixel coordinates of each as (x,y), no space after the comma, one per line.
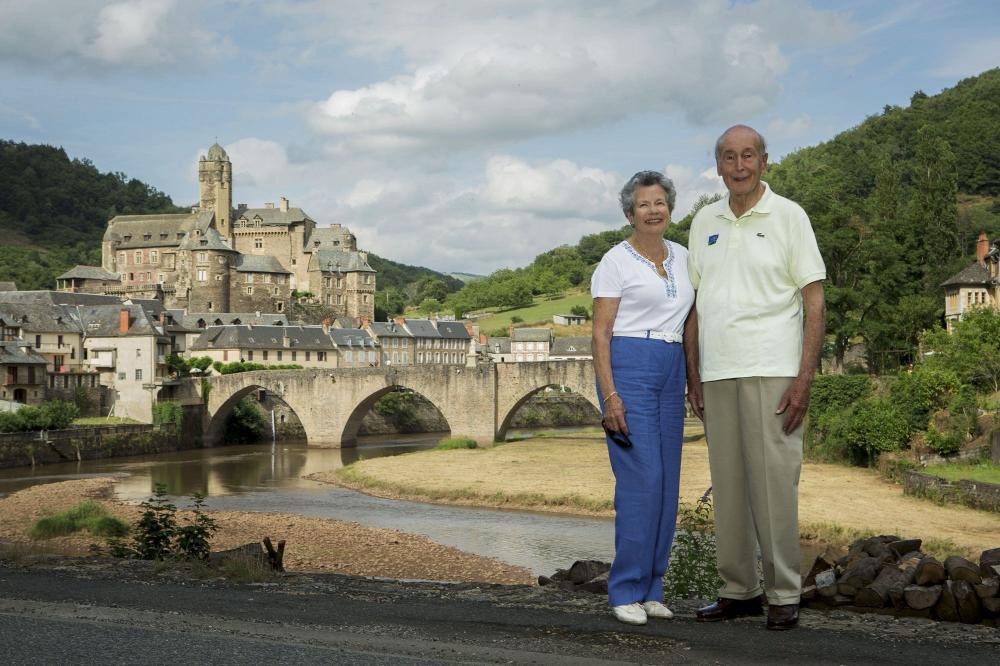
(619,438)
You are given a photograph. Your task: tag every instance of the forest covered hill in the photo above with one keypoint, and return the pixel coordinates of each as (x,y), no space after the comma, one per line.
(54,209)
(896,202)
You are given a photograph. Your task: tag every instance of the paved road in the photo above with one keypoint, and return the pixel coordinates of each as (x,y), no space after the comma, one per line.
(126,614)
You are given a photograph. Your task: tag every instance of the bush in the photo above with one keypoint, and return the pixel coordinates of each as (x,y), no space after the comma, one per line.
(398,407)
(168,411)
(580,311)
(922,392)
(874,426)
(456,443)
(157,535)
(52,415)
(246,423)
(693,573)
(248,366)
(516,319)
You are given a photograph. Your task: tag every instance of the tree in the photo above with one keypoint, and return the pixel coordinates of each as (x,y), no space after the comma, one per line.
(971,350)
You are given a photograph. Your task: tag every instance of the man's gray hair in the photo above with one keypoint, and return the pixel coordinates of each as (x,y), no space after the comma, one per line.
(645,179)
(761,143)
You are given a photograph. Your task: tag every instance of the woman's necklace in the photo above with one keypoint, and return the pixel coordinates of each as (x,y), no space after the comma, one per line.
(658,265)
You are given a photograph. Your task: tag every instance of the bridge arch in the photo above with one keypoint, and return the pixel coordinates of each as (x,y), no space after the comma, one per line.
(532,378)
(353,422)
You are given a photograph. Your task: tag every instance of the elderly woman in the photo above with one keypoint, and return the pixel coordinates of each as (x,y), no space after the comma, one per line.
(642,296)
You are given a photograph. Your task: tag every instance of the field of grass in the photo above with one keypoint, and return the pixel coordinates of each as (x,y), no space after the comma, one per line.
(540,312)
(570,473)
(103,420)
(983,472)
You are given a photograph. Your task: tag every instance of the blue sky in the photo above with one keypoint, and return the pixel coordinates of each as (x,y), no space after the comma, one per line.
(462,136)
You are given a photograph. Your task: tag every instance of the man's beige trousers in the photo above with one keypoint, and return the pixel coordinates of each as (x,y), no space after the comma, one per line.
(755,484)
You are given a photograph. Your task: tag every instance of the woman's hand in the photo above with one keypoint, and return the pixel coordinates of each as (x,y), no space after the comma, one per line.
(614,414)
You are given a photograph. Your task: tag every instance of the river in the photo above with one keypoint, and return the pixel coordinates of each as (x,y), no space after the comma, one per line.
(263,477)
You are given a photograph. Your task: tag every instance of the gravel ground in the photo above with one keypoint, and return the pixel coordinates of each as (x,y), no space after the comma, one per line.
(312,544)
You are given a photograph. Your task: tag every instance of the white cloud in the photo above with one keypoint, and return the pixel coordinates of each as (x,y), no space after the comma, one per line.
(95,35)
(970,58)
(479,74)
(690,185)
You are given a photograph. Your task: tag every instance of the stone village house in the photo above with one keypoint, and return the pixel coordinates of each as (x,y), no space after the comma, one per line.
(976,285)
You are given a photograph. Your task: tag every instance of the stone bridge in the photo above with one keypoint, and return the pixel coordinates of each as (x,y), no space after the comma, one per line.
(477,402)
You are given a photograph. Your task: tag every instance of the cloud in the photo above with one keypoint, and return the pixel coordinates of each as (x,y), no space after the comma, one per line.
(23,116)
(510,212)
(480,74)
(969,58)
(691,185)
(94,36)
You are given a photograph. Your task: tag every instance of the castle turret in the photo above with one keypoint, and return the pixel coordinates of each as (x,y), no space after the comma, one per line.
(215,180)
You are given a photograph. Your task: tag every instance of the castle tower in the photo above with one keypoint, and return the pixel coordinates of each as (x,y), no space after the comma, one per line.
(215,182)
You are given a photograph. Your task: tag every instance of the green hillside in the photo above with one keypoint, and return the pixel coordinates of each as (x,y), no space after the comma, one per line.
(540,311)
(897,203)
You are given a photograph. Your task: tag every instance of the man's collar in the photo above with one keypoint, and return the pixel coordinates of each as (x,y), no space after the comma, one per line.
(762,207)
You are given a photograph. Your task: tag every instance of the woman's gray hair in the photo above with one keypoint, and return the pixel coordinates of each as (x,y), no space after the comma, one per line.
(645,179)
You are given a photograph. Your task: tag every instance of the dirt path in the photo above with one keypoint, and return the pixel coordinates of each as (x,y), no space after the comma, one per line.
(572,474)
(313,544)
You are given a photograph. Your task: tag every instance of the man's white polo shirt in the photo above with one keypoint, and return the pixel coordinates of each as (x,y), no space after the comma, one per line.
(748,273)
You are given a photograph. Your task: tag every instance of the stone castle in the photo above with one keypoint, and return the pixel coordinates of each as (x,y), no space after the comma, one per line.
(220,259)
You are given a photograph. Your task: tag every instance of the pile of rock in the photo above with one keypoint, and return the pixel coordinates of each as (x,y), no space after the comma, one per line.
(583,576)
(889,575)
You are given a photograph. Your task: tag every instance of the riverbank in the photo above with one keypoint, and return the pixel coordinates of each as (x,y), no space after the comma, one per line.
(312,544)
(570,474)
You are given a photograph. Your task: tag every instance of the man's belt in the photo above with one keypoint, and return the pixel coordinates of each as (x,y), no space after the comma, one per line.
(666,336)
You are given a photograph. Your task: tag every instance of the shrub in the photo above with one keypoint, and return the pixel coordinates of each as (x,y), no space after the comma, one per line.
(168,411)
(693,572)
(246,423)
(157,535)
(516,319)
(920,393)
(398,407)
(874,426)
(580,311)
(456,443)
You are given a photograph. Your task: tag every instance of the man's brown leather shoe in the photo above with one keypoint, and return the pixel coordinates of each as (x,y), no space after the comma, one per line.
(782,617)
(727,609)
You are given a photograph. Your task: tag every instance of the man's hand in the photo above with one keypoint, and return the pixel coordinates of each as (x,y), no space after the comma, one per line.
(696,400)
(794,404)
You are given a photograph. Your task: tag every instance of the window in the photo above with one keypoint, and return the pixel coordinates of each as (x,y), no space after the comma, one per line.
(210,308)
(249,291)
(308,354)
(267,278)
(321,356)
(154,257)
(160,277)
(437,357)
(249,278)
(364,298)
(326,282)
(218,278)
(203,257)
(202,275)
(420,357)
(138,352)
(225,354)
(122,260)
(258,243)
(368,278)
(249,354)
(265,354)
(280,307)
(137,256)
(38,341)
(340,283)
(340,299)
(371,357)
(404,357)
(294,354)
(121,376)
(138,374)
(349,356)
(279,354)
(395,357)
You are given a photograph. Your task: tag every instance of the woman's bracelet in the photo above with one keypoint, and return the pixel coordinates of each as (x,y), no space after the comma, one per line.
(610,395)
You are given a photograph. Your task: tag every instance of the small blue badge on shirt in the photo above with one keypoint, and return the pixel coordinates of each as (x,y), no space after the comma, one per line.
(712,239)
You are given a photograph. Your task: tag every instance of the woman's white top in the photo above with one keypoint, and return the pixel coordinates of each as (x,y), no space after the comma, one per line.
(649,301)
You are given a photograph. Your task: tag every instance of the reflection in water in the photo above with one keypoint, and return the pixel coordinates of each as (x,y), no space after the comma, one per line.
(269,478)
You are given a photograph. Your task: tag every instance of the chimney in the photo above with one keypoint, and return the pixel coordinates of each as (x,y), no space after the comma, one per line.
(401,321)
(982,247)
(510,330)
(241,207)
(285,340)
(123,321)
(283,206)
(326,326)
(482,339)
(269,204)
(364,322)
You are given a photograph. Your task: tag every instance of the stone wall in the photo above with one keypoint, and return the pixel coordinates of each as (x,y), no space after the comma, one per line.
(96,400)
(976,494)
(57,446)
(547,410)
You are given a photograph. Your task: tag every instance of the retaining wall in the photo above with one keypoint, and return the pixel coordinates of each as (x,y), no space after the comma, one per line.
(56,446)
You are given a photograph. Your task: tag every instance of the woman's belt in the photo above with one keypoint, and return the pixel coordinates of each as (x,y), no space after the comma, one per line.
(666,336)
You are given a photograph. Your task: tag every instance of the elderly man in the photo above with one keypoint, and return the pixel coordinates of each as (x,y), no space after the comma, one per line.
(755,263)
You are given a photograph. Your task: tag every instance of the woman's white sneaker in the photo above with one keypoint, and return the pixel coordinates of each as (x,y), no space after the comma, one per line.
(630,613)
(656,609)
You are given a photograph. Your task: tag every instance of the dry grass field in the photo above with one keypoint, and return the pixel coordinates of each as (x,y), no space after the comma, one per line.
(571,474)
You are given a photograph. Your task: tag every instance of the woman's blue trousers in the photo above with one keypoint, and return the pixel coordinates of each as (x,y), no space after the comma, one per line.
(649,376)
